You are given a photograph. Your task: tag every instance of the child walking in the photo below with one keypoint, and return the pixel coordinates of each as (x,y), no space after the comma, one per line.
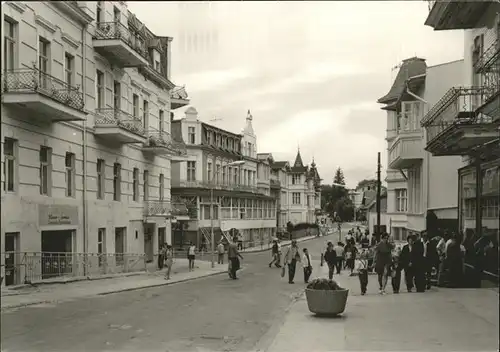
(362,269)
(395,274)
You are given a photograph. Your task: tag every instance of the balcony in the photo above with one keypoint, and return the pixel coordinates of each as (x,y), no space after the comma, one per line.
(119,45)
(157,208)
(156,76)
(161,143)
(119,126)
(275,184)
(455,125)
(405,152)
(46,96)
(178,98)
(488,66)
(447,14)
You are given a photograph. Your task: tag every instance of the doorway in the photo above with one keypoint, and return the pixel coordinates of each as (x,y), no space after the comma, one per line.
(120,245)
(101,246)
(148,242)
(57,257)
(162,236)
(12,272)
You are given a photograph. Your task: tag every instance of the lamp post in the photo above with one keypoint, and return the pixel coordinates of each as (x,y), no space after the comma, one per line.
(212,237)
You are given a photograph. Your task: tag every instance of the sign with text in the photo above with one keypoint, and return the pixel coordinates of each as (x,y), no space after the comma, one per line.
(57,215)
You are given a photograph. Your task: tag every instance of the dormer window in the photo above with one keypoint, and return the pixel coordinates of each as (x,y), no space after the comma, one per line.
(156,60)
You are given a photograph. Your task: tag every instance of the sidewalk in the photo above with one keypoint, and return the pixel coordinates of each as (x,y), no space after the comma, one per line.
(438,320)
(32,295)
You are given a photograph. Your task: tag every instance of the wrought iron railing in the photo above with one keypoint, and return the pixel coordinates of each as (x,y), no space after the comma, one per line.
(32,80)
(117,30)
(157,207)
(488,57)
(457,106)
(161,139)
(179,93)
(116,117)
(275,183)
(31,267)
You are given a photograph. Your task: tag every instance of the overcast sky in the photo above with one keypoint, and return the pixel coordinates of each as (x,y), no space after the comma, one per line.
(310,72)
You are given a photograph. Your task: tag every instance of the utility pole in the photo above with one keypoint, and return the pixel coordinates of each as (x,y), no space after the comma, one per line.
(378,234)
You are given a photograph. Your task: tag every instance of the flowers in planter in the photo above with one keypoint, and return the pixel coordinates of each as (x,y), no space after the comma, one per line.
(324,284)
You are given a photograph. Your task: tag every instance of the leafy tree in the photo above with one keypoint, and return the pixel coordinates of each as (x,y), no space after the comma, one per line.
(339,177)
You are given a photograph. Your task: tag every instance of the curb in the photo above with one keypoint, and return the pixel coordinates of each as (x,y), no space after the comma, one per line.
(22,305)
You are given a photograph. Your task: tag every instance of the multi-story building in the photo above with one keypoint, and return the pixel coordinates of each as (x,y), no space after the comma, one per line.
(417,181)
(300,199)
(86,99)
(222,173)
(465,121)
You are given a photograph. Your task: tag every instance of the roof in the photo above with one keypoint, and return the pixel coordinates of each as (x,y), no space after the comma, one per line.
(298,165)
(409,68)
(383,204)
(279,165)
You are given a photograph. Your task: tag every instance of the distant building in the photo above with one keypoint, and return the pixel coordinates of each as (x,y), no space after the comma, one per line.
(371,216)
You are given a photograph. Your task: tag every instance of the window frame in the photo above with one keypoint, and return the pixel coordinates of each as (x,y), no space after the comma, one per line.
(191,171)
(117,182)
(70,173)
(10,44)
(45,171)
(10,163)
(101,178)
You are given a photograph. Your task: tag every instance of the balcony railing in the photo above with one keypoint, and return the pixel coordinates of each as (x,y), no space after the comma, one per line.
(32,80)
(111,116)
(116,30)
(489,58)
(157,207)
(458,106)
(275,183)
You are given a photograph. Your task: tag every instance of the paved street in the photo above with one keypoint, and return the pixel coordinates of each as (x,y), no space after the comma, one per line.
(213,313)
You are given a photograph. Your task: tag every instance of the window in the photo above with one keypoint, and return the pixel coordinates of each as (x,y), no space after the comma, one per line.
(157,65)
(229,175)
(217,140)
(191,135)
(101,238)
(145,189)
(161,120)
(45,170)
(162,187)
(236,179)
(117,181)
(9,174)
(209,138)
(43,61)
(296,198)
(224,180)
(99,89)
(117,95)
(101,173)
(191,170)
(145,113)
(99,12)
(401,200)
(295,179)
(116,15)
(69,63)
(231,144)
(209,172)
(135,184)
(9,54)
(70,174)
(135,105)
(217,173)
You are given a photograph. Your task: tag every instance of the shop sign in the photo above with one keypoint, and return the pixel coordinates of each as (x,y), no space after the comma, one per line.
(57,215)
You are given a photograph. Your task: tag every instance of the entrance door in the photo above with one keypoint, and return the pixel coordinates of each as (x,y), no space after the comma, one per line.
(12,274)
(120,244)
(56,258)
(162,234)
(148,242)
(101,246)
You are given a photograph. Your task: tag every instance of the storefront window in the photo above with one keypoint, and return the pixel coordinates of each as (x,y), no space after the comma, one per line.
(468,202)
(490,195)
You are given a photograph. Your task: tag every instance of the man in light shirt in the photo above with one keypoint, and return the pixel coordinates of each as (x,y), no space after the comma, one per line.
(339,251)
(220,252)
(306,263)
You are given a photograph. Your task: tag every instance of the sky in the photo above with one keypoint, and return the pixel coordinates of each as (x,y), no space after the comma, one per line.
(310,72)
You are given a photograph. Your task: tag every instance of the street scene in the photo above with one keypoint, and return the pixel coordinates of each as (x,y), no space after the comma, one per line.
(250,176)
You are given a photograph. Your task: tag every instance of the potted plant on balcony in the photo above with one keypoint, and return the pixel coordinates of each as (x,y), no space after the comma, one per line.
(326,297)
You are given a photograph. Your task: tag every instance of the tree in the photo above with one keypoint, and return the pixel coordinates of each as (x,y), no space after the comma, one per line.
(339,177)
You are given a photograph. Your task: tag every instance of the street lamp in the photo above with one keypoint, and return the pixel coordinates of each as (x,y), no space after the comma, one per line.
(212,237)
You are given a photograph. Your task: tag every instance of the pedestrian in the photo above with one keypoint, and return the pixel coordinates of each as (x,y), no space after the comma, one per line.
(220,251)
(427,261)
(292,256)
(454,263)
(365,241)
(350,256)
(169,260)
(382,262)
(395,273)
(362,269)
(233,256)
(323,253)
(279,253)
(339,254)
(275,255)
(330,259)
(161,256)
(306,263)
(412,261)
(191,255)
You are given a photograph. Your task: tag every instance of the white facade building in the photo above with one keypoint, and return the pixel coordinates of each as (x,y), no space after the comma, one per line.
(418,182)
(85,137)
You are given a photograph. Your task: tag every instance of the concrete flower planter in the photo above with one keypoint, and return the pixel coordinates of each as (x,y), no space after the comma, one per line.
(326,302)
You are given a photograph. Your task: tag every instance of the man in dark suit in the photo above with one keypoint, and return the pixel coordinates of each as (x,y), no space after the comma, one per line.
(412,261)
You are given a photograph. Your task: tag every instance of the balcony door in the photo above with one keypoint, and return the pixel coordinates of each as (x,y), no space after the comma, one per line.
(116,95)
